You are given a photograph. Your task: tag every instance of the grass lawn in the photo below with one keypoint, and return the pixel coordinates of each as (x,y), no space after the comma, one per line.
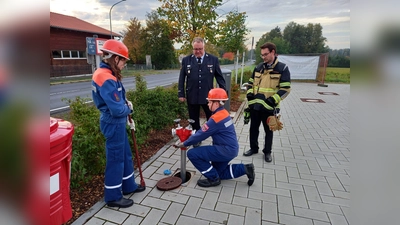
(337,75)
(333,74)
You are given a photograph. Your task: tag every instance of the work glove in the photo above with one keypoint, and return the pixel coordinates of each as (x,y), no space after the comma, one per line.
(271,102)
(131,124)
(250,96)
(130,105)
(274,123)
(246,115)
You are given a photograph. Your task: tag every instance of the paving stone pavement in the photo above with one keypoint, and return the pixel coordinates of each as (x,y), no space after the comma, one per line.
(308,181)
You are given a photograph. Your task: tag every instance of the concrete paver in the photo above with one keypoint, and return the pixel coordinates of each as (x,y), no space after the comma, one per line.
(308,181)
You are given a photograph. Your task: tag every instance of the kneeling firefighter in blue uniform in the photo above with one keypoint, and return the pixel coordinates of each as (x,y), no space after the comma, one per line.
(213,160)
(109,97)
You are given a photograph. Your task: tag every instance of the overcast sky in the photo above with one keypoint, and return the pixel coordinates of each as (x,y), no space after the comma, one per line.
(334,16)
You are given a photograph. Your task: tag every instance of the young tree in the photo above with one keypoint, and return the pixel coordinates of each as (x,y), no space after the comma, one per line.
(157,43)
(191,18)
(233,32)
(132,40)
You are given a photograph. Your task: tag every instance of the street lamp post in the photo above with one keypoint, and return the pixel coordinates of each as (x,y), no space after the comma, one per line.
(110,17)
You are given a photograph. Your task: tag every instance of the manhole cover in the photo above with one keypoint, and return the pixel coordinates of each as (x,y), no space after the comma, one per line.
(314,100)
(328,93)
(169,183)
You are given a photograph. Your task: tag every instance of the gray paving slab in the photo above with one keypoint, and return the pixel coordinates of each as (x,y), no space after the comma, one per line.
(308,181)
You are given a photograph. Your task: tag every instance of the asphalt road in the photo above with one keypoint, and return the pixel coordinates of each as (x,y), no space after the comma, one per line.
(61,92)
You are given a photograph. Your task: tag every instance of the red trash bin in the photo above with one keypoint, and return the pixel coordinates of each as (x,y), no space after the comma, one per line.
(60,170)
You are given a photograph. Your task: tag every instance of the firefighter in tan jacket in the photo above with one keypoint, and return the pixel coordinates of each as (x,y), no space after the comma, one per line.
(268,86)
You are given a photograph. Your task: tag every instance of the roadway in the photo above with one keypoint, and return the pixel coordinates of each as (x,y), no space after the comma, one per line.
(61,92)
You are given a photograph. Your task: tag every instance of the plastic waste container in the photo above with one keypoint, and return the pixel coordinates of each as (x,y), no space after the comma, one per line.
(227,76)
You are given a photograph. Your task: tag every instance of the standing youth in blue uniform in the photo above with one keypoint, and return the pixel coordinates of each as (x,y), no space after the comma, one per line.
(109,97)
(213,160)
(198,70)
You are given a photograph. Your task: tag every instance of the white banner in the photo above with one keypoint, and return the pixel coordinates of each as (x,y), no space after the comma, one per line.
(301,67)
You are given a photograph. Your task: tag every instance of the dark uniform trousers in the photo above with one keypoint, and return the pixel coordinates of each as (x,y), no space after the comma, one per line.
(256,118)
(194,113)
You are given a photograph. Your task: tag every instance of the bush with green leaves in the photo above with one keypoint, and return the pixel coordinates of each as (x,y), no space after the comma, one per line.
(247,75)
(88,143)
(153,110)
(235,92)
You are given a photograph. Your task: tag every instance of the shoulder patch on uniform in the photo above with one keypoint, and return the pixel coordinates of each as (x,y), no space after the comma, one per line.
(116,96)
(204,128)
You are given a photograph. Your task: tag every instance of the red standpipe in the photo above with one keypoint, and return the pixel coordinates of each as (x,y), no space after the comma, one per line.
(183,134)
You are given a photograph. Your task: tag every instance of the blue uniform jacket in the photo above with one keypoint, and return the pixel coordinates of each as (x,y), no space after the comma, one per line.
(220,128)
(199,79)
(109,96)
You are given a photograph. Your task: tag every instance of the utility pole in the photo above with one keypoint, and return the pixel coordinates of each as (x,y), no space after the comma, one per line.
(110,17)
(251,51)
(236,66)
(241,76)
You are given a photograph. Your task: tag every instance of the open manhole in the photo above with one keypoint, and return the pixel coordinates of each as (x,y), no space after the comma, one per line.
(187,177)
(312,100)
(328,93)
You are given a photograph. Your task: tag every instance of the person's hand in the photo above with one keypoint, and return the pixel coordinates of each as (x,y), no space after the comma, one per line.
(131,123)
(250,96)
(271,102)
(182,99)
(179,145)
(130,105)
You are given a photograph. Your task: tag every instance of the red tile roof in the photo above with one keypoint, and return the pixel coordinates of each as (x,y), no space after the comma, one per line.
(73,23)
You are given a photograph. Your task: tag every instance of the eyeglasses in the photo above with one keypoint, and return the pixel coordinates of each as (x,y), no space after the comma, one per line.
(264,55)
(197,49)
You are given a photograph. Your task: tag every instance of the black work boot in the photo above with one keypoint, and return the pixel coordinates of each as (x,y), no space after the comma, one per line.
(250,152)
(249,168)
(208,183)
(267,157)
(122,203)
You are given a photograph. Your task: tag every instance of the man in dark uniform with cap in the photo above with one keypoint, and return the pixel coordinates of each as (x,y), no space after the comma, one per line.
(198,70)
